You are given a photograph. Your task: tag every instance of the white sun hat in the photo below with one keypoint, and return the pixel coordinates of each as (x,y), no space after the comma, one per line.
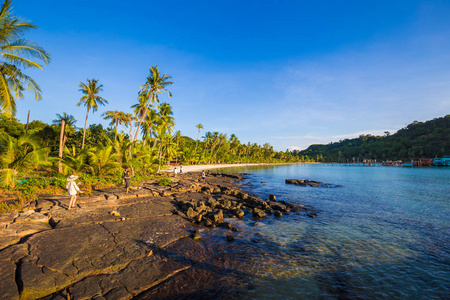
(72,177)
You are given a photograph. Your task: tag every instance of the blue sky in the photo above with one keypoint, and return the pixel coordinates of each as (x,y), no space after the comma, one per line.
(290,73)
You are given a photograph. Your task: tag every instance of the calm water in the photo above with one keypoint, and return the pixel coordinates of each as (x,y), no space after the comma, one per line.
(385,234)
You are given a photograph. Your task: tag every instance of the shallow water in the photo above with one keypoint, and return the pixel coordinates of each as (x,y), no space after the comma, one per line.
(385,234)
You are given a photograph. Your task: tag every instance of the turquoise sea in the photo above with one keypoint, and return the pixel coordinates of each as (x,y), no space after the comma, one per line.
(384,234)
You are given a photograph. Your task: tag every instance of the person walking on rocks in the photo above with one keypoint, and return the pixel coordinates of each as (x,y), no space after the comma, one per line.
(181,169)
(175,171)
(72,189)
(126,176)
(203,176)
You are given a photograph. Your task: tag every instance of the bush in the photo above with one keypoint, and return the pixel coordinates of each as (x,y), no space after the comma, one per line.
(15,206)
(164,181)
(28,191)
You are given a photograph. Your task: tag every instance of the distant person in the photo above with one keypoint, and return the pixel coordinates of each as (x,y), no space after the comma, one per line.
(126,176)
(175,171)
(181,169)
(203,176)
(72,189)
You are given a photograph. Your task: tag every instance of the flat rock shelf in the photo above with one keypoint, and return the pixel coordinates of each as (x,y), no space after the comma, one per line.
(119,246)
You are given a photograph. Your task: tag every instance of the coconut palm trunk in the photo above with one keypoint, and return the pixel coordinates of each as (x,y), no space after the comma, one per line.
(84,131)
(61,145)
(117,124)
(140,123)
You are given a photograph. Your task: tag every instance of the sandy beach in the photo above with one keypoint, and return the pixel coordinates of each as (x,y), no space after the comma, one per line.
(199,168)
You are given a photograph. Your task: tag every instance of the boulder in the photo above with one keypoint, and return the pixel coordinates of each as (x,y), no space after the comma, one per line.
(191,213)
(258,213)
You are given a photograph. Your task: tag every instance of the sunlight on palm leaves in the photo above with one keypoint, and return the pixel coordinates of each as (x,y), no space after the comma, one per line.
(91,99)
(17,156)
(103,161)
(73,162)
(17,53)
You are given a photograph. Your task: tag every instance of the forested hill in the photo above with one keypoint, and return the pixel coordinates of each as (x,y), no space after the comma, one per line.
(417,140)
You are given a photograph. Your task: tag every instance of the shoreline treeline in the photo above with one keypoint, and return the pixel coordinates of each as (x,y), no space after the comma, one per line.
(428,139)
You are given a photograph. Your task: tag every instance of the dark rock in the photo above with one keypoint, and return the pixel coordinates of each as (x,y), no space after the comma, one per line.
(230,237)
(191,213)
(269,210)
(272,198)
(196,237)
(208,222)
(310,183)
(226,225)
(312,215)
(258,213)
(277,214)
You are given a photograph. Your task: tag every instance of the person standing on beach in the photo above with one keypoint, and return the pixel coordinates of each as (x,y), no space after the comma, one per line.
(175,171)
(181,169)
(72,189)
(203,176)
(126,177)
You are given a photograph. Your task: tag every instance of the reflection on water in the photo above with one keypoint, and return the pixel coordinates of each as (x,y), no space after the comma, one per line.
(384,234)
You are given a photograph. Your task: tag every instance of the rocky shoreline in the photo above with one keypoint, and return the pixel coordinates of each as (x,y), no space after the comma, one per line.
(144,245)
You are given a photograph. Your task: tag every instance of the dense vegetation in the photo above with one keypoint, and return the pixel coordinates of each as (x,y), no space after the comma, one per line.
(36,157)
(417,140)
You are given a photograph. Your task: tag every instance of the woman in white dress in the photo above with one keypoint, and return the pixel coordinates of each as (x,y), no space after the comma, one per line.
(72,190)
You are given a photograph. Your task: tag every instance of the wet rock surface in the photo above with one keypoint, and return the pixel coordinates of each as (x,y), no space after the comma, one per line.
(149,248)
(310,183)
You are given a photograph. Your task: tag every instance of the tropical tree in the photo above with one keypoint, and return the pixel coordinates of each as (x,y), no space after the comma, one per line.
(149,124)
(103,161)
(143,111)
(154,85)
(69,125)
(115,117)
(122,147)
(91,99)
(74,162)
(17,155)
(17,53)
(199,126)
(126,120)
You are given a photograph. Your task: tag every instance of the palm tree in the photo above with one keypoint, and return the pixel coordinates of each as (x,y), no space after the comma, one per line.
(114,116)
(18,155)
(91,99)
(149,124)
(69,126)
(104,161)
(126,120)
(199,126)
(155,85)
(73,162)
(16,53)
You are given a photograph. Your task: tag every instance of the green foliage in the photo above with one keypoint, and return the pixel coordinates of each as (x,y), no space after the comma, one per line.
(36,125)
(17,53)
(103,161)
(164,181)
(12,206)
(11,126)
(18,155)
(416,140)
(28,191)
